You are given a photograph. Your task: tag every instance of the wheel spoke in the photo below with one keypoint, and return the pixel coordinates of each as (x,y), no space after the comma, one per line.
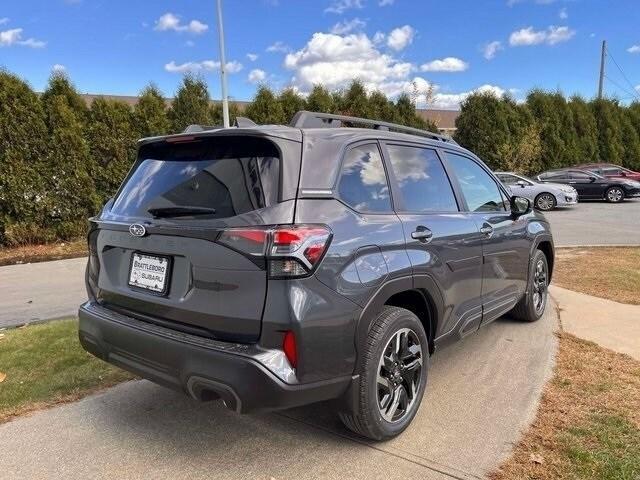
(384,383)
(395,403)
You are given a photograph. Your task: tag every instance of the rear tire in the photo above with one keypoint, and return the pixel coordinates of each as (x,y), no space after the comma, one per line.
(534,302)
(393,375)
(545,202)
(614,195)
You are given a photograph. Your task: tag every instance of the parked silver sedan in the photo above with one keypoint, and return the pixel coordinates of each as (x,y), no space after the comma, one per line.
(544,196)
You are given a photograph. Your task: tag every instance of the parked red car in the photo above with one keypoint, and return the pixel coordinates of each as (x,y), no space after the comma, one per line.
(611,170)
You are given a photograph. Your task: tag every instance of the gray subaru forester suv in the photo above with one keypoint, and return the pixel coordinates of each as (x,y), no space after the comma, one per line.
(276,266)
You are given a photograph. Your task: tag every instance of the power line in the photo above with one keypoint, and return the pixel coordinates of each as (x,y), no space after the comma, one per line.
(624,89)
(633,88)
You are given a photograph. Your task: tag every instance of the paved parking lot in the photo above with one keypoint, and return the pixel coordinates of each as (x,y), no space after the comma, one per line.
(597,223)
(482,392)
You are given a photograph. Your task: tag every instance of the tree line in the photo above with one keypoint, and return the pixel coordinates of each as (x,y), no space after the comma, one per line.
(547,130)
(61,159)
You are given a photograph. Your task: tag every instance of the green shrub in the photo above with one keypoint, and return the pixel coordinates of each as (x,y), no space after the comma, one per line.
(27,233)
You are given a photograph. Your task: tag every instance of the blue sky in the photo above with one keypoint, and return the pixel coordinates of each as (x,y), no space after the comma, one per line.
(437,50)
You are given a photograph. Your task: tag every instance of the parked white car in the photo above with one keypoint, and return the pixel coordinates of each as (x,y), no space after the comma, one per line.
(543,196)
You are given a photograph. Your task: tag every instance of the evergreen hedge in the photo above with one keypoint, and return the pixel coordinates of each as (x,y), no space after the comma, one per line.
(548,130)
(61,159)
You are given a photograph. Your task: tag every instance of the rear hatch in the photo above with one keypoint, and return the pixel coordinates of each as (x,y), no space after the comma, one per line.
(154,249)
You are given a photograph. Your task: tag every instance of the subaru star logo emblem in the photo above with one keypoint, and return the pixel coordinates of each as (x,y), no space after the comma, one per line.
(137,230)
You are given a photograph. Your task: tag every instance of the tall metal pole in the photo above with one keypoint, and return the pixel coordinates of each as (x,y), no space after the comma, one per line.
(223,68)
(602,59)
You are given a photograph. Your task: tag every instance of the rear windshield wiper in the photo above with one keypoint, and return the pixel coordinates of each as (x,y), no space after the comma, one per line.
(164,212)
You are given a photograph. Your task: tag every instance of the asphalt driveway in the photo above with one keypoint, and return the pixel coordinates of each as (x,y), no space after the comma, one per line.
(596,223)
(482,393)
(41,291)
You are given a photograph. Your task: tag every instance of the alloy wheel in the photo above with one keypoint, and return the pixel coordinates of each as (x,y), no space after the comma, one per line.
(545,202)
(399,375)
(614,194)
(540,286)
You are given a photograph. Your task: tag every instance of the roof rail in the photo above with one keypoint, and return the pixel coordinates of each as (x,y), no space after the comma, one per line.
(305,119)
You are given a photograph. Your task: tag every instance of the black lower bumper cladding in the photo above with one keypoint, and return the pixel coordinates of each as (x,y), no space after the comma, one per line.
(202,368)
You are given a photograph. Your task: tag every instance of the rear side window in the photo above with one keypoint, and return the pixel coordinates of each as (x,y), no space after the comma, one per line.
(573,175)
(363,182)
(508,179)
(229,176)
(422,180)
(479,189)
(553,176)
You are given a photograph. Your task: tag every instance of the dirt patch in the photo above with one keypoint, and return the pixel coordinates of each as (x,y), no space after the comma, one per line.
(606,272)
(43,253)
(588,423)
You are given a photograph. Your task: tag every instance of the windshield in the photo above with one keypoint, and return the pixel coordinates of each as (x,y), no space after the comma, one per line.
(209,178)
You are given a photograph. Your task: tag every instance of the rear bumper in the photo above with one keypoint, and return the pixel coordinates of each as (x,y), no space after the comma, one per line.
(204,369)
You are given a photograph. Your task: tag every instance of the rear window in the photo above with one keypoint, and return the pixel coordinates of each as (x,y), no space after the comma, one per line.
(229,175)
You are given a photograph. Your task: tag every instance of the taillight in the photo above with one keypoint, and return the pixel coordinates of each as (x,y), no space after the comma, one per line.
(289,348)
(290,251)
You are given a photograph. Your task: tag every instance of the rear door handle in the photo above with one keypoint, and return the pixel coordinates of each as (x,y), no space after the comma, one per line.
(486,229)
(422,234)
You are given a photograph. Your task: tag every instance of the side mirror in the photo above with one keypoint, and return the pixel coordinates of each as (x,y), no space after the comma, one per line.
(522,183)
(520,206)
(623,173)
(592,179)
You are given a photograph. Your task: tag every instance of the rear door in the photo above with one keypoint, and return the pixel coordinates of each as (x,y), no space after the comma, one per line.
(158,243)
(505,246)
(588,186)
(443,243)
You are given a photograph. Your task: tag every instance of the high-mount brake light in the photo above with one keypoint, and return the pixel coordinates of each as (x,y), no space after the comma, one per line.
(290,251)
(180,139)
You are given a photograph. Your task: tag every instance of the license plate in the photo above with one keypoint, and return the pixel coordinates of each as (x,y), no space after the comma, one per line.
(149,272)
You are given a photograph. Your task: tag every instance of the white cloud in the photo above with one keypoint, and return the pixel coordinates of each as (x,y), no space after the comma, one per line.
(448,64)
(634,49)
(341,6)
(205,65)
(638,88)
(563,14)
(345,26)
(170,21)
(4,20)
(233,66)
(385,3)
(334,61)
(278,47)
(58,68)
(190,43)
(252,56)
(559,34)
(491,49)
(14,37)
(256,75)
(527,36)
(551,36)
(453,100)
(400,37)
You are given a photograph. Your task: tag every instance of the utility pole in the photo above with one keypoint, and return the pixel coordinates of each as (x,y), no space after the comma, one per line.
(223,68)
(602,59)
